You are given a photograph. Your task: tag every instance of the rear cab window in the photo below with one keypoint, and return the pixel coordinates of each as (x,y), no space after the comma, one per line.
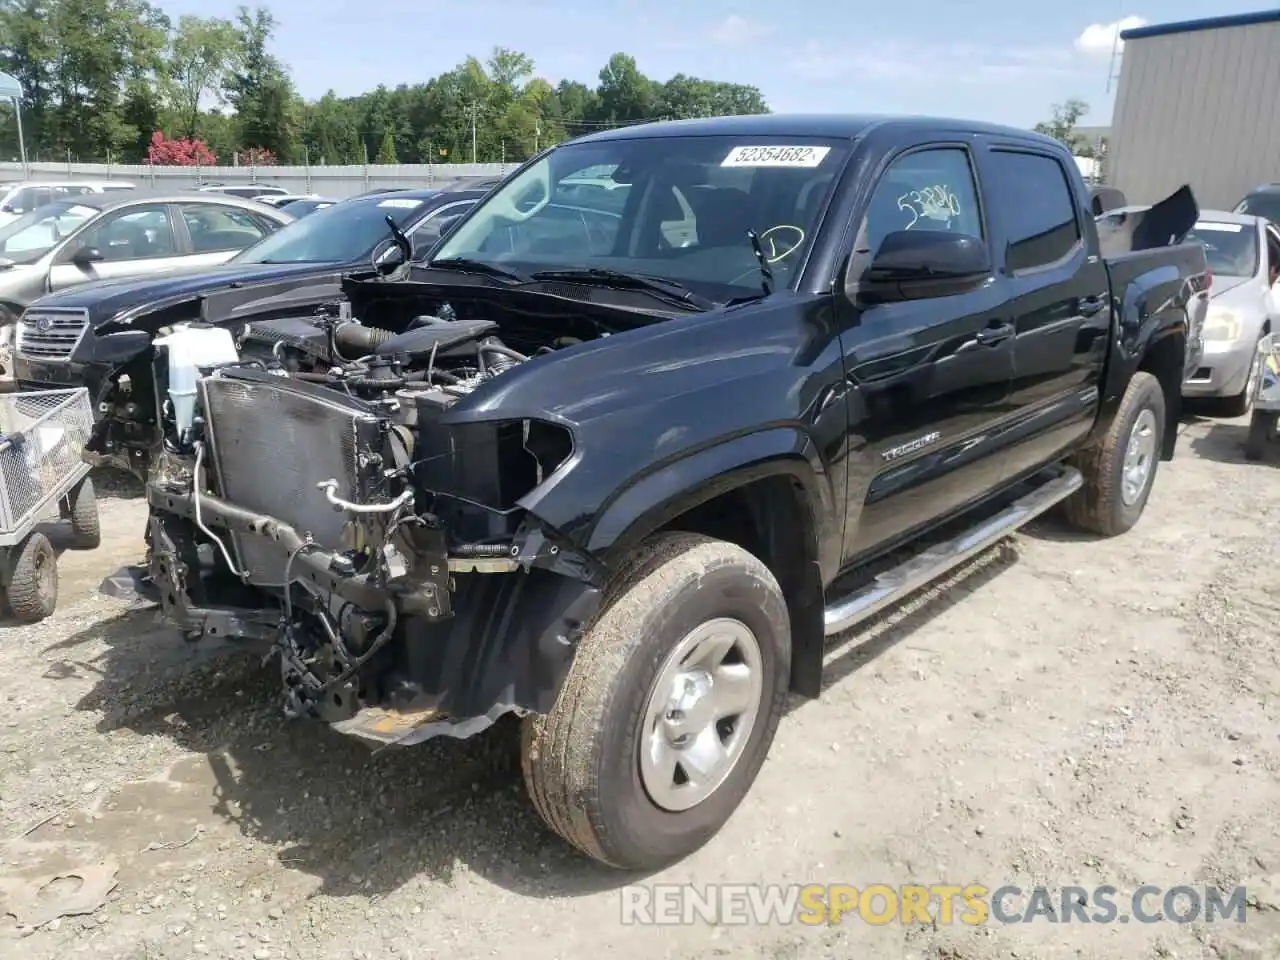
(1036,208)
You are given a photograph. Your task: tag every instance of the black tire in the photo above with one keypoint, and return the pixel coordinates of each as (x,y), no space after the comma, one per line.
(81,508)
(1099,506)
(1242,402)
(581,761)
(33,584)
(1261,426)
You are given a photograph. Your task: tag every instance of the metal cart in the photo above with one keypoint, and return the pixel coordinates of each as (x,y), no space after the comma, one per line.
(42,438)
(1266,400)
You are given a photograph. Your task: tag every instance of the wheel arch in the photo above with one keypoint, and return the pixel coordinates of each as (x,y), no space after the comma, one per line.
(1163,359)
(760,492)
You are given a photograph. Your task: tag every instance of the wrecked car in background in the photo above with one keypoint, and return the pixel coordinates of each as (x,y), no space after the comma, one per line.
(61,340)
(622,470)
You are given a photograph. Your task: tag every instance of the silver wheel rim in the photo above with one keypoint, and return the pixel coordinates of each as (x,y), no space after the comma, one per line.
(1139,456)
(700,713)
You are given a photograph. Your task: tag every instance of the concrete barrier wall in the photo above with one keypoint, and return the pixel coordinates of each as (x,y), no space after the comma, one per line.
(338,182)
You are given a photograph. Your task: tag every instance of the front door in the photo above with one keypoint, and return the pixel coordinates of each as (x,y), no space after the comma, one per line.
(1059,295)
(134,241)
(929,379)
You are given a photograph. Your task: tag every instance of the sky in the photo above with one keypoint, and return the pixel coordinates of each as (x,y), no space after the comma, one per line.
(1006,61)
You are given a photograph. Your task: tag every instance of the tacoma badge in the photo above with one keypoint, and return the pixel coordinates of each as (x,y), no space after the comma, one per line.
(911,446)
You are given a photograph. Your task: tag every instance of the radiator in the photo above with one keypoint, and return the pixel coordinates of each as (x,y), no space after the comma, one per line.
(271,444)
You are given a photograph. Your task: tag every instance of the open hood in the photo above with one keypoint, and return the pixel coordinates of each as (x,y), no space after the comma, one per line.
(230,301)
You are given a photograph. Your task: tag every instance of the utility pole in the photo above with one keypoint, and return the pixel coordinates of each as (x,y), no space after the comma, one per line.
(474,109)
(537,133)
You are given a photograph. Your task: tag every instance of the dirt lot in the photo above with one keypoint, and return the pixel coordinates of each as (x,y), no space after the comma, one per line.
(1066,712)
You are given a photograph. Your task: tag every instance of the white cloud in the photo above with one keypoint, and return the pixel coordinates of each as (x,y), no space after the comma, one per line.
(736,31)
(1098,39)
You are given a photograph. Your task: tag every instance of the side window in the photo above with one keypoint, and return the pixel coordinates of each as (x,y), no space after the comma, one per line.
(930,189)
(216,229)
(429,230)
(1036,209)
(31,198)
(135,233)
(1273,256)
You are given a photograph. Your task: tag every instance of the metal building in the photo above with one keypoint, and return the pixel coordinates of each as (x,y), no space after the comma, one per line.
(1199,103)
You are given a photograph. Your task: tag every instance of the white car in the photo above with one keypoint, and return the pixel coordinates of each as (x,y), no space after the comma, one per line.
(278,199)
(20,198)
(1243,252)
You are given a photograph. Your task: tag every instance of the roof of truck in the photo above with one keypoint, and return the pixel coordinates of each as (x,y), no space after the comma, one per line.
(831,126)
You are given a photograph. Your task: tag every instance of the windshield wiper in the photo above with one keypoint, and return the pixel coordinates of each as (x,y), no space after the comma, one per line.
(466,265)
(766,275)
(668,290)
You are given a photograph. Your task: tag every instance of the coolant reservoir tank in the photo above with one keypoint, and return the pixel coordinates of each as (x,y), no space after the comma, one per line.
(188,350)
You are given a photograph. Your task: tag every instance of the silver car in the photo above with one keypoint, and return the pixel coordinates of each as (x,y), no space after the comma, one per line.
(1244,255)
(113,236)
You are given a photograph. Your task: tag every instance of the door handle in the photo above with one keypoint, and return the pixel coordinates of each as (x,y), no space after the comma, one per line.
(1091,305)
(990,335)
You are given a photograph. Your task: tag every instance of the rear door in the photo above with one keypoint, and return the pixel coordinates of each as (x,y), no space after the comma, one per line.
(1059,296)
(215,233)
(929,378)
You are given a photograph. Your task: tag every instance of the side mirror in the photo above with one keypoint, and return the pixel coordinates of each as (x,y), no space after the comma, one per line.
(86,256)
(913,264)
(389,258)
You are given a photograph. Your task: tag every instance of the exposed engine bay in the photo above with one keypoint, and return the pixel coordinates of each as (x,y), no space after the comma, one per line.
(443,355)
(313,494)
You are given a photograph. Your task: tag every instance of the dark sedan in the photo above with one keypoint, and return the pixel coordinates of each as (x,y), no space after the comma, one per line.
(59,342)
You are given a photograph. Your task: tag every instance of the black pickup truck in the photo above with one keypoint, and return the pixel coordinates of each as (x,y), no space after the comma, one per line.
(620,462)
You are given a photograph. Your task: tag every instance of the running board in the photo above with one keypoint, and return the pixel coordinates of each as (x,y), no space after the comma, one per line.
(925,567)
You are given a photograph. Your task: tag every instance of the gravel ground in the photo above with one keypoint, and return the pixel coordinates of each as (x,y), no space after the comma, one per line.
(1064,711)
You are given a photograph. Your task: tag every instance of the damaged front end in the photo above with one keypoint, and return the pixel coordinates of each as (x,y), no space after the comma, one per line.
(377,553)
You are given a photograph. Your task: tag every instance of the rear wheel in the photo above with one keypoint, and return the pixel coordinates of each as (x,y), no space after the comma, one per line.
(81,508)
(1120,469)
(669,708)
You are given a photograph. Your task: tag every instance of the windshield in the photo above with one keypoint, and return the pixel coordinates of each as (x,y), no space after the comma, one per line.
(300,208)
(1230,248)
(1265,205)
(342,233)
(679,208)
(34,234)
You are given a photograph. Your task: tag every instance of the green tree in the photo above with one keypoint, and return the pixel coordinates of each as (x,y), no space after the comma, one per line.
(1063,125)
(261,91)
(100,76)
(626,95)
(684,97)
(387,149)
(202,54)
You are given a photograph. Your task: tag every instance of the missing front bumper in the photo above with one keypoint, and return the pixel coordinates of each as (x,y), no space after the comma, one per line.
(486,637)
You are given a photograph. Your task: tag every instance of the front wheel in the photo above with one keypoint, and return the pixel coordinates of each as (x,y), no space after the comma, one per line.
(33,580)
(669,708)
(1120,469)
(1242,402)
(1261,427)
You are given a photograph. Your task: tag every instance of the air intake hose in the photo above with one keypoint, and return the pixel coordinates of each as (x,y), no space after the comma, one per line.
(356,340)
